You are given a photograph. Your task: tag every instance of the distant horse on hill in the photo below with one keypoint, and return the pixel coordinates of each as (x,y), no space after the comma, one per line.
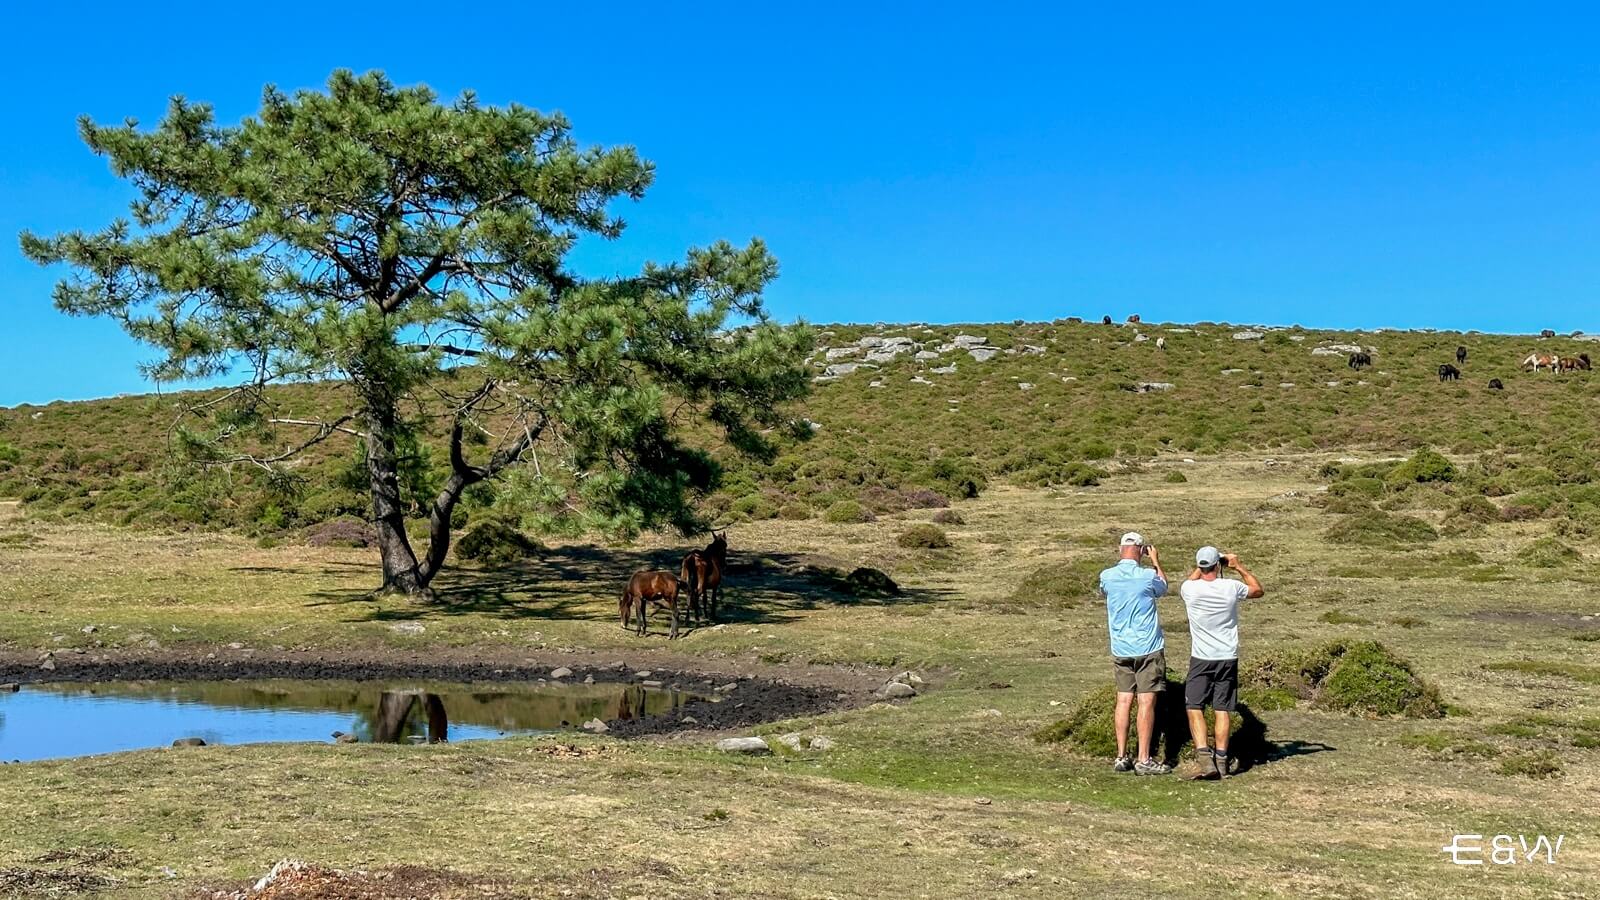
(1574,363)
(1496,384)
(1359,360)
(1448,372)
(1461,355)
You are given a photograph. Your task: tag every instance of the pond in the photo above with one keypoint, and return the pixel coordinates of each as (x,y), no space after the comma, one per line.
(48,721)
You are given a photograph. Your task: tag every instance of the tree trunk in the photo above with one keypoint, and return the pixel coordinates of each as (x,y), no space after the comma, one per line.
(400,570)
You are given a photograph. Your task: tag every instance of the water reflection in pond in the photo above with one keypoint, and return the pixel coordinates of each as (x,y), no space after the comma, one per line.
(45,721)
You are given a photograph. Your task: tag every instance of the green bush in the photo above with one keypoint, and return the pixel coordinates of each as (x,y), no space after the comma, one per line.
(848,512)
(1478,508)
(496,543)
(1368,679)
(869,583)
(1541,764)
(1548,553)
(923,537)
(1423,466)
(1061,585)
(1360,677)
(1090,728)
(794,512)
(1377,528)
(1175,477)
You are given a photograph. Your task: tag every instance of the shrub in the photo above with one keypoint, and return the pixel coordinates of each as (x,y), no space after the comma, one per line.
(1368,679)
(794,512)
(1548,553)
(1089,728)
(869,582)
(1376,528)
(1337,617)
(1175,477)
(1542,764)
(1061,584)
(924,498)
(1360,677)
(1478,508)
(1423,466)
(949,517)
(341,532)
(496,543)
(848,512)
(754,507)
(923,537)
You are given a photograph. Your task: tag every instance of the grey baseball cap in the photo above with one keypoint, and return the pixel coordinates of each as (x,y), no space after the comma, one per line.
(1206,557)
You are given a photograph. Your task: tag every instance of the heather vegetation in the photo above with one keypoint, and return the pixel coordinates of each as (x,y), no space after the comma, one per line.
(901,436)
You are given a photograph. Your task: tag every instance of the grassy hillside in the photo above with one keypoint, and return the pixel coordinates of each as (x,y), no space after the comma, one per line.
(1062,403)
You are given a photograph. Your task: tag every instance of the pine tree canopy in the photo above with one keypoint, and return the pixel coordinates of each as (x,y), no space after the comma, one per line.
(417,250)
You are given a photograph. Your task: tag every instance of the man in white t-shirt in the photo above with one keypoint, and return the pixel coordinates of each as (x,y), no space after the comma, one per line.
(1213,604)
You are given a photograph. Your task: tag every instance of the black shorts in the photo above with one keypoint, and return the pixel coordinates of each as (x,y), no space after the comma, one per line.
(1214,682)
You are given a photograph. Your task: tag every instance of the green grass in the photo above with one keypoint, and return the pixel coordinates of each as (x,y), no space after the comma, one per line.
(1574,671)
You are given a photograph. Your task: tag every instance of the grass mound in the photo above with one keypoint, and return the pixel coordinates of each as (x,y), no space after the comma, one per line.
(1089,729)
(1061,585)
(496,543)
(923,537)
(1425,465)
(1374,528)
(848,512)
(1548,553)
(1361,677)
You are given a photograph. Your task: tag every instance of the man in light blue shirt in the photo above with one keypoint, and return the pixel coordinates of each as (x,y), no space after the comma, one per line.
(1138,648)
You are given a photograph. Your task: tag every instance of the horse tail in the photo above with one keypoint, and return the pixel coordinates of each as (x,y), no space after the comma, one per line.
(625,606)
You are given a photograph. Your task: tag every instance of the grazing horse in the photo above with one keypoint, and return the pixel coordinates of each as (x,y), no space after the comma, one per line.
(1461,355)
(1548,333)
(1161,343)
(1359,360)
(1133,319)
(1448,372)
(645,588)
(1496,385)
(1573,363)
(1537,361)
(702,572)
(1106,321)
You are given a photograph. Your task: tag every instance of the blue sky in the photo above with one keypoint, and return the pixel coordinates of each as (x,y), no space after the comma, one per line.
(1359,166)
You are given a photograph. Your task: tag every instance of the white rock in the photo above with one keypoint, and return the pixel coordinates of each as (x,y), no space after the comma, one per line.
(896,690)
(792,741)
(822,743)
(1248,335)
(944,370)
(840,352)
(1025,385)
(595,726)
(562,672)
(926,354)
(751,745)
(983,354)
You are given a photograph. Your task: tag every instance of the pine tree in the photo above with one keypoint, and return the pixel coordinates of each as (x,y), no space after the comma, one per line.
(417,251)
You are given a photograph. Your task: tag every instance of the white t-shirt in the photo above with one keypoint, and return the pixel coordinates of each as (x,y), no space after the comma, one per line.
(1213,616)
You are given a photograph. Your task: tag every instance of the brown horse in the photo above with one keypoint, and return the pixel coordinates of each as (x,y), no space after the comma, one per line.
(645,588)
(702,576)
(1574,363)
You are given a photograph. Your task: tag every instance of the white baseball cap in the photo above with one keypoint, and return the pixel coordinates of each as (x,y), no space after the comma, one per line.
(1207,557)
(1133,539)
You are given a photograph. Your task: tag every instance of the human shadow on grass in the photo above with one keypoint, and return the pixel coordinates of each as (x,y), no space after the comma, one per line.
(584,583)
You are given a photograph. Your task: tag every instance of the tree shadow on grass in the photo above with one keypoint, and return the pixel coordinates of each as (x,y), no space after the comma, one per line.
(584,583)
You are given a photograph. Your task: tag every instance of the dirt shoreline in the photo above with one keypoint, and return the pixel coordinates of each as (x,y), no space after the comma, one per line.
(763,693)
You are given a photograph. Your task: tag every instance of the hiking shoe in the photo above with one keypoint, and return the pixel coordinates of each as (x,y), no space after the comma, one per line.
(1123,764)
(1222,765)
(1207,760)
(1151,766)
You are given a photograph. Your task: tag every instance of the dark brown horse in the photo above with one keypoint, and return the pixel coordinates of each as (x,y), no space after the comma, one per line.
(645,588)
(702,576)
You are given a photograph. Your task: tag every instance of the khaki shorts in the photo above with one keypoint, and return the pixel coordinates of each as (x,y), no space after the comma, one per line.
(1145,674)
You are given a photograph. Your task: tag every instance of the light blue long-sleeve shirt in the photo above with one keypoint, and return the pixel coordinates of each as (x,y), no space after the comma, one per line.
(1131,591)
